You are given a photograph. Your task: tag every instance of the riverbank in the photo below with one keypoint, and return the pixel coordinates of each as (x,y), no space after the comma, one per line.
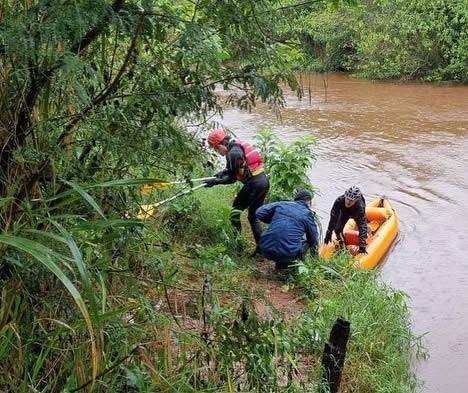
(183,308)
(407,141)
(239,315)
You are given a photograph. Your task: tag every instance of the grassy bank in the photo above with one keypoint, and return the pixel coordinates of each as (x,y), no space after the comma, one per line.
(280,350)
(185,310)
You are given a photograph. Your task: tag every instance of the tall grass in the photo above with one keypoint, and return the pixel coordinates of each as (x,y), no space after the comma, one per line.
(172,305)
(381,345)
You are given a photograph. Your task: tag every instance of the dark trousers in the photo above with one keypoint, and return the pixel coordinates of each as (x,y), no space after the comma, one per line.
(285,262)
(252,195)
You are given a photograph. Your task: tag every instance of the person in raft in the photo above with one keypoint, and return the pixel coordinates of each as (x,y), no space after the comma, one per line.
(349,205)
(291,231)
(245,164)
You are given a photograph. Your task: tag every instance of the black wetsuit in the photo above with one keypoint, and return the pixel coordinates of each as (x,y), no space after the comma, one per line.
(252,195)
(340,214)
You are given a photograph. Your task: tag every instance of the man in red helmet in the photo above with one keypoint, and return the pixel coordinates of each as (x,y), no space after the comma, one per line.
(243,163)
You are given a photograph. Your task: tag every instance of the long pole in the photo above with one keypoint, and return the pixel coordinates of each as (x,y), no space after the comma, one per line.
(162,184)
(148,210)
(179,194)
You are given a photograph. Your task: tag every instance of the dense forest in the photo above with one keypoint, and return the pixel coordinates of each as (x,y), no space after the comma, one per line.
(99,97)
(387,39)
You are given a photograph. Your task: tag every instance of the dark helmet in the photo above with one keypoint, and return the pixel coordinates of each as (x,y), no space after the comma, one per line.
(303,195)
(353,193)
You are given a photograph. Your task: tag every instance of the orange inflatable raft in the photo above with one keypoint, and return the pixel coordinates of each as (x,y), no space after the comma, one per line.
(383,222)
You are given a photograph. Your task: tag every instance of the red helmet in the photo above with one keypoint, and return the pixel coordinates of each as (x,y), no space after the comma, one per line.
(215,137)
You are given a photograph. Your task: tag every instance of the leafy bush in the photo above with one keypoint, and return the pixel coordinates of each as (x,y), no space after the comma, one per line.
(286,164)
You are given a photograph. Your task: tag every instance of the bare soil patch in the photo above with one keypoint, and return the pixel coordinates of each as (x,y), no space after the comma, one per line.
(280,294)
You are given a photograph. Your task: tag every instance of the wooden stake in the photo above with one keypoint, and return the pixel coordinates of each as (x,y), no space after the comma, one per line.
(334,356)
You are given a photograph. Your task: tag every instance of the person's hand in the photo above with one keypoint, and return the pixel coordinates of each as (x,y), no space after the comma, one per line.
(362,250)
(210,183)
(327,238)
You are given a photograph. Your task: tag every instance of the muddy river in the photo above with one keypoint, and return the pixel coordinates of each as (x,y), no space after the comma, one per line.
(407,141)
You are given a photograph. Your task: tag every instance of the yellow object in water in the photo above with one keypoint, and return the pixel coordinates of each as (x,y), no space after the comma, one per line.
(383,222)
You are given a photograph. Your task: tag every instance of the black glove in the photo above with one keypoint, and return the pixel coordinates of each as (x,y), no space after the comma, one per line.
(220,174)
(327,238)
(362,250)
(211,182)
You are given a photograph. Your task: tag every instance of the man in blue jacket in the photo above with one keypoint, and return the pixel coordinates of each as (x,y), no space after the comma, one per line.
(292,230)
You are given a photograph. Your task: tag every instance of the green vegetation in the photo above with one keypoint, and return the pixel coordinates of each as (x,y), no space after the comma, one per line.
(177,308)
(386,39)
(286,164)
(99,97)
(380,353)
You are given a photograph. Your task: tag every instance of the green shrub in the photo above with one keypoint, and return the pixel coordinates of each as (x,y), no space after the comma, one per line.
(286,164)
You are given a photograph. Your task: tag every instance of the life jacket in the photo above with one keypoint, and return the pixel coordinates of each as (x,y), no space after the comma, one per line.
(253,163)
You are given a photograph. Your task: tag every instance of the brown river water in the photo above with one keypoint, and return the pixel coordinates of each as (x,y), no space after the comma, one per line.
(409,142)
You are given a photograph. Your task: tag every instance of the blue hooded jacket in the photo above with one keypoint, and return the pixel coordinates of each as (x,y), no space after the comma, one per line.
(289,222)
